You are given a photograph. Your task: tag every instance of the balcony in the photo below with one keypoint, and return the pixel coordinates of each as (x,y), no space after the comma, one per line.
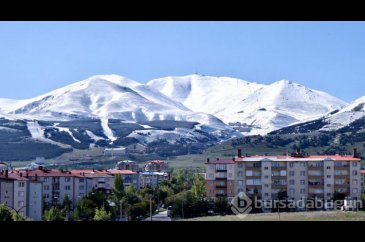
(220,186)
(221,178)
(221,195)
(221,170)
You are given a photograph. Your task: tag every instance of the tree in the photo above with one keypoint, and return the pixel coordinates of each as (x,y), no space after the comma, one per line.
(53,214)
(131,194)
(66,203)
(118,190)
(18,217)
(101,214)
(5,213)
(198,189)
(76,215)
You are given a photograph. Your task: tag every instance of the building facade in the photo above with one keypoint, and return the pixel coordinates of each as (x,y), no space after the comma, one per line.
(21,194)
(127,165)
(157,166)
(298,176)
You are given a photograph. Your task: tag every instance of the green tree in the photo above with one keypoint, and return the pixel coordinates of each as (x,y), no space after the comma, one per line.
(101,214)
(66,203)
(131,194)
(53,214)
(18,217)
(198,189)
(118,190)
(76,215)
(5,213)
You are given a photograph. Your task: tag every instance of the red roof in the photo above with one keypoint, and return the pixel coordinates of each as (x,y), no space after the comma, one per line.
(104,172)
(362,171)
(321,157)
(13,176)
(44,172)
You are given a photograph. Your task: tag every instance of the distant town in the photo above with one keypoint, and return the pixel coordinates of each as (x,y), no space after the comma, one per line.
(157,192)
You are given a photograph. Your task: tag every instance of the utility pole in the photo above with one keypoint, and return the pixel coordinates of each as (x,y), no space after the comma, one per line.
(121,210)
(151,207)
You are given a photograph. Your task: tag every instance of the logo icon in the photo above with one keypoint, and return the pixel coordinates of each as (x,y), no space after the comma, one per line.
(241,204)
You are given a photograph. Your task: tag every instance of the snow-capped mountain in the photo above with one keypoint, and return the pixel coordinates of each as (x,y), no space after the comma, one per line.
(250,107)
(349,114)
(107,110)
(105,97)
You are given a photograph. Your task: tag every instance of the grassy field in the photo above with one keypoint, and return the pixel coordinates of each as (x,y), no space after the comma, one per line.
(298,216)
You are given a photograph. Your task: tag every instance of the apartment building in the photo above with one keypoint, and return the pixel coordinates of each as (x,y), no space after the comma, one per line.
(297,175)
(127,165)
(157,165)
(104,179)
(21,194)
(152,178)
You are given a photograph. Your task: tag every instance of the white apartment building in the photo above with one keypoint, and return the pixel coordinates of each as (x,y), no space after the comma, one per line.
(297,175)
(21,194)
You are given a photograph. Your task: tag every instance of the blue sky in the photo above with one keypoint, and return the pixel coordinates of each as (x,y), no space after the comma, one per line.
(37,57)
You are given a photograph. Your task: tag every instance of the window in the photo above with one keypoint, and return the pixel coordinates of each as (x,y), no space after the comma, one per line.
(302,182)
(291,164)
(211,175)
(328,185)
(220,167)
(354,173)
(68,179)
(230,174)
(240,173)
(302,191)
(67,188)
(355,182)
(46,187)
(329,194)
(302,173)
(266,168)
(240,165)
(47,195)
(328,176)
(211,167)
(20,203)
(354,164)
(354,190)
(240,183)
(21,184)
(81,180)
(240,190)
(249,173)
(291,191)
(283,173)
(21,194)
(328,167)
(291,182)
(81,187)
(46,179)
(266,194)
(302,164)
(266,185)
(291,173)
(266,177)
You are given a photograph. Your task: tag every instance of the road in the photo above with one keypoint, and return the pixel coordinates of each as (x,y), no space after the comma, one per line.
(162,216)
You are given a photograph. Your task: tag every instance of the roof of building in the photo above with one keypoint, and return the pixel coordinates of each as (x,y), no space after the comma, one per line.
(105,172)
(13,176)
(41,172)
(362,171)
(300,158)
(129,162)
(147,173)
(156,162)
(220,161)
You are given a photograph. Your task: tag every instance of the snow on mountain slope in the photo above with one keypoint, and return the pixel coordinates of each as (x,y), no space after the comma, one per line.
(259,108)
(204,93)
(345,116)
(109,96)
